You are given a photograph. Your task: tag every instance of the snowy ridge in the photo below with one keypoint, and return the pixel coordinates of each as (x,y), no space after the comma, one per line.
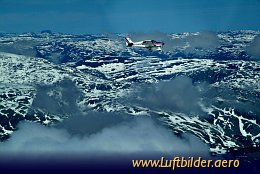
(102,72)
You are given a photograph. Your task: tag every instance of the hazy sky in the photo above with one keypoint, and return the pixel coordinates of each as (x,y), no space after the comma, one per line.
(98,16)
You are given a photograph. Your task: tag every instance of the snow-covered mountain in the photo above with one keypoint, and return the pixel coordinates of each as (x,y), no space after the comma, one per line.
(206,84)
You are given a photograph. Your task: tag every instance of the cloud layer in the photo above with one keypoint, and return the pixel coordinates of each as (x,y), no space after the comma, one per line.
(254,48)
(137,136)
(178,95)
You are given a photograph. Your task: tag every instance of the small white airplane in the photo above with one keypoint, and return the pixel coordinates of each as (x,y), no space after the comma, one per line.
(149,44)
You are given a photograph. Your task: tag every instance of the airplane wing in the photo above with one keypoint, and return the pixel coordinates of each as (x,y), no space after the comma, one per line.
(148,43)
(153,48)
(159,49)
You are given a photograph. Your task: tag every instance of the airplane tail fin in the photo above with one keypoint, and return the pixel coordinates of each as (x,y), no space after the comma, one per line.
(129,42)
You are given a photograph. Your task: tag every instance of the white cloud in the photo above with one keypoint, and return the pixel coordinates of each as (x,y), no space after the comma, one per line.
(254,48)
(178,95)
(137,136)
